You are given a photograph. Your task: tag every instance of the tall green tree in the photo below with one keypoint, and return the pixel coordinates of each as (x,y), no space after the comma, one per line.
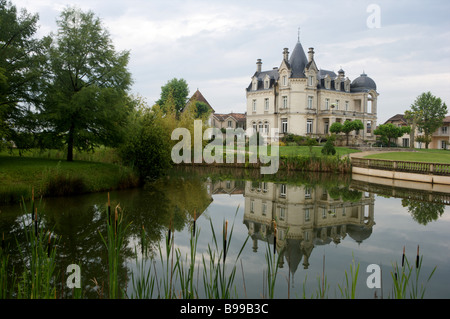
(86,97)
(21,59)
(430,112)
(390,132)
(176,88)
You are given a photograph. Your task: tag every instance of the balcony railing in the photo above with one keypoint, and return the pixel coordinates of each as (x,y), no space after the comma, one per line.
(403,166)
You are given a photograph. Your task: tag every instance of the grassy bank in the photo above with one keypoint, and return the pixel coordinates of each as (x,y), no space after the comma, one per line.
(53,177)
(428,156)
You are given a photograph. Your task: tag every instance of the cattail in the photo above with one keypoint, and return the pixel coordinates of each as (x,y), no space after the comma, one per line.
(170,230)
(403,256)
(109,209)
(417,258)
(395,273)
(193,225)
(225,241)
(275,240)
(274,237)
(116,219)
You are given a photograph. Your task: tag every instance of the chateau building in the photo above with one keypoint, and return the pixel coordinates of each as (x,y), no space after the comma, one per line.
(299,98)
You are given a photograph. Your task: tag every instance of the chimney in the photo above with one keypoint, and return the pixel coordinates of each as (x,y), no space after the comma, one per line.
(258,65)
(310,54)
(286,54)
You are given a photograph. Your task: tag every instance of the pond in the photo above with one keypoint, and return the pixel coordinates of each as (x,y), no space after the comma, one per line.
(324,224)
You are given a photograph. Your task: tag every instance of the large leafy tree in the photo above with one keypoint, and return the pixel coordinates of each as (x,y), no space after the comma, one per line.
(86,101)
(429,112)
(389,132)
(21,58)
(178,90)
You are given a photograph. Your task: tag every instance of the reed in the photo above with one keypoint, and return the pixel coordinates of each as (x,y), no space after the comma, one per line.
(218,282)
(6,284)
(186,275)
(404,281)
(348,290)
(272,262)
(38,253)
(144,283)
(114,242)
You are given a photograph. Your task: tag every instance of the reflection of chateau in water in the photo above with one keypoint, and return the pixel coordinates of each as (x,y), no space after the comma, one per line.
(306,217)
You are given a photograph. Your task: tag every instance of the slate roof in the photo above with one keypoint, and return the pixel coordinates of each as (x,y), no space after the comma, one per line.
(363,83)
(298,61)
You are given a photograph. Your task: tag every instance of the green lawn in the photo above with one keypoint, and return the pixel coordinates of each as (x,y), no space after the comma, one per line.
(18,175)
(430,156)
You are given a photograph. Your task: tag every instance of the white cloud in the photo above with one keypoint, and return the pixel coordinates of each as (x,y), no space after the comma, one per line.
(214,45)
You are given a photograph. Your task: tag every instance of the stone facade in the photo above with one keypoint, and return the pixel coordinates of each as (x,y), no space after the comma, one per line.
(299,98)
(439,140)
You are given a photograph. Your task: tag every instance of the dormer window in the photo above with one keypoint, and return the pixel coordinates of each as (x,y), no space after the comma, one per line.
(311,80)
(327,82)
(266,84)
(255,84)
(285,80)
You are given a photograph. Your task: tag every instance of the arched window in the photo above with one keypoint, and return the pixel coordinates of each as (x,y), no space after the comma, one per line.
(369,103)
(266,128)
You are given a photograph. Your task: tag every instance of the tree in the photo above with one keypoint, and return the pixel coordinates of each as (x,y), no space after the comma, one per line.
(411,118)
(85,98)
(202,109)
(430,111)
(390,132)
(179,90)
(346,128)
(21,58)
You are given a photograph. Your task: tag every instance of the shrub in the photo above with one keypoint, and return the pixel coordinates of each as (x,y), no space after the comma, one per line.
(328,148)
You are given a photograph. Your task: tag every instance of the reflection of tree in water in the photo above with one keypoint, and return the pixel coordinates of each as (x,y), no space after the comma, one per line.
(77,222)
(423,212)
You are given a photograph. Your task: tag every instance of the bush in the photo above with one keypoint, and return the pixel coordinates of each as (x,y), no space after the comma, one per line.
(328,148)
(148,149)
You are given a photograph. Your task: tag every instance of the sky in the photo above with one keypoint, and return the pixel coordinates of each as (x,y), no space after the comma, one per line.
(404,45)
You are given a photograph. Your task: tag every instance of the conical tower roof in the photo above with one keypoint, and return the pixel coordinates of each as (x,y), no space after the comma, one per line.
(298,61)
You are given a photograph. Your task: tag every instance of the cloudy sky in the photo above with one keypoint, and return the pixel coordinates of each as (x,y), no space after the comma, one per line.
(403,45)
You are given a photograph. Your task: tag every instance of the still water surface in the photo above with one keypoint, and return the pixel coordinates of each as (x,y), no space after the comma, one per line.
(323,222)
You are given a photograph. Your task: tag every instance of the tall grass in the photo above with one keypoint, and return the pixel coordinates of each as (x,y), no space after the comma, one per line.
(186,275)
(218,282)
(348,290)
(407,278)
(272,262)
(38,253)
(114,242)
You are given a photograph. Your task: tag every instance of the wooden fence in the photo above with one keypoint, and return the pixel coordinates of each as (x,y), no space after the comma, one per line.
(403,166)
